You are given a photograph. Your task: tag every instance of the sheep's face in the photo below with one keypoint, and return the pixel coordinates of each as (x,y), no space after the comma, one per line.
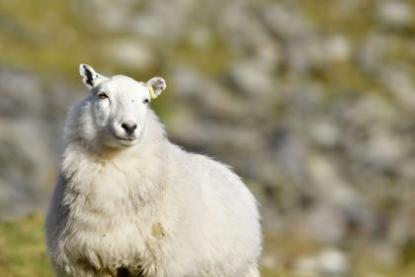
(119,105)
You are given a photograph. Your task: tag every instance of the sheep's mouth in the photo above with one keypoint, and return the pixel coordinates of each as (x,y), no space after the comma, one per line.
(123,139)
(127,139)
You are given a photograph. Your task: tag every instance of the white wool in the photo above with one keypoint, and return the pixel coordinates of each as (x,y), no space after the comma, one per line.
(151,209)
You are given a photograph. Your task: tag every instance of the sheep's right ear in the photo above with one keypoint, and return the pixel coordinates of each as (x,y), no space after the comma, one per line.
(89,76)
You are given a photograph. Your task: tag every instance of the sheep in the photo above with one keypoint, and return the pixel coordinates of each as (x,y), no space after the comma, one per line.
(128,202)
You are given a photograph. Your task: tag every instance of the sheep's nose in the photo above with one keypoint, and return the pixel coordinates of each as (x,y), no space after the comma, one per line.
(129,127)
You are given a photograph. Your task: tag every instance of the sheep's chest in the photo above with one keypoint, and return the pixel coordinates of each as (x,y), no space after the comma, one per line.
(110,224)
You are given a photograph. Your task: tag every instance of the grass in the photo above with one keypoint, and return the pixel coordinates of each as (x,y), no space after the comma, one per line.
(22,249)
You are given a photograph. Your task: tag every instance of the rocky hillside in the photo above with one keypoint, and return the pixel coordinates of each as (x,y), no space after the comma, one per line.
(312,102)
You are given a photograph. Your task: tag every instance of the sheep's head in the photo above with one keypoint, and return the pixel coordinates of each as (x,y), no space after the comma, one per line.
(119,105)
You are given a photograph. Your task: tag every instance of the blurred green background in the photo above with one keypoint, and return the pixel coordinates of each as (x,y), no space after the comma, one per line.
(311,102)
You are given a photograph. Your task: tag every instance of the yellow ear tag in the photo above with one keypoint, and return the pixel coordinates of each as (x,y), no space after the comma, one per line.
(152,94)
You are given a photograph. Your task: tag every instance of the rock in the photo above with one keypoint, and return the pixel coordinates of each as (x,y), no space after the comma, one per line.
(333,262)
(371,52)
(373,139)
(330,263)
(326,223)
(395,14)
(106,15)
(270,261)
(384,149)
(290,152)
(306,54)
(200,37)
(242,29)
(175,14)
(28,167)
(327,180)
(213,135)
(338,49)
(31,116)
(189,82)
(370,110)
(286,21)
(133,54)
(325,133)
(401,84)
(211,99)
(407,170)
(251,78)
(21,93)
(306,267)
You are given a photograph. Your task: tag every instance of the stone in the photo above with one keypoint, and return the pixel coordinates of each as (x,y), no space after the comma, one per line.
(395,14)
(131,53)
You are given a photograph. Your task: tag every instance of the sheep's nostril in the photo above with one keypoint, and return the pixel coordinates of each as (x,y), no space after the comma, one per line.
(129,128)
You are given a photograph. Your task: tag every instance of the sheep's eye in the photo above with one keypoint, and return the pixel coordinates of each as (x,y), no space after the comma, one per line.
(102,96)
(145,101)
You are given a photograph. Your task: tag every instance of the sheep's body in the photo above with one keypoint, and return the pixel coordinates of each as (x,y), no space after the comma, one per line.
(151,210)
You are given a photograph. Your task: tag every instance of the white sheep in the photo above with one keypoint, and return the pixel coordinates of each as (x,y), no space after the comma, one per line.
(130,203)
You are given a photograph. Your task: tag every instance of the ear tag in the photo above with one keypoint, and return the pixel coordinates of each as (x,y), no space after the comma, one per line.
(152,94)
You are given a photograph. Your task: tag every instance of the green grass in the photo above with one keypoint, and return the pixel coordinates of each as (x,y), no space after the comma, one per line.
(22,249)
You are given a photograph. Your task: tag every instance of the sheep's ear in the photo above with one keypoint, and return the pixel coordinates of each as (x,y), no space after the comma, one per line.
(89,76)
(155,86)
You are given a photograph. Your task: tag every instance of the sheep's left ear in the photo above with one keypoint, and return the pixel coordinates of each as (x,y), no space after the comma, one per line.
(89,76)
(155,86)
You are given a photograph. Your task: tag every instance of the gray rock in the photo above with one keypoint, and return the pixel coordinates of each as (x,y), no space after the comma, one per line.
(208,95)
(396,14)
(131,53)
(328,181)
(306,54)
(105,15)
(338,49)
(333,262)
(325,133)
(242,29)
(251,78)
(21,93)
(399,81)
(385,149)
(28,166)
(286,21)
(371,52)
(329,262)
(326,223)
(175,14)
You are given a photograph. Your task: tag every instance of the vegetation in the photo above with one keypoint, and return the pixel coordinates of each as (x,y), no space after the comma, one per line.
(22,249)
